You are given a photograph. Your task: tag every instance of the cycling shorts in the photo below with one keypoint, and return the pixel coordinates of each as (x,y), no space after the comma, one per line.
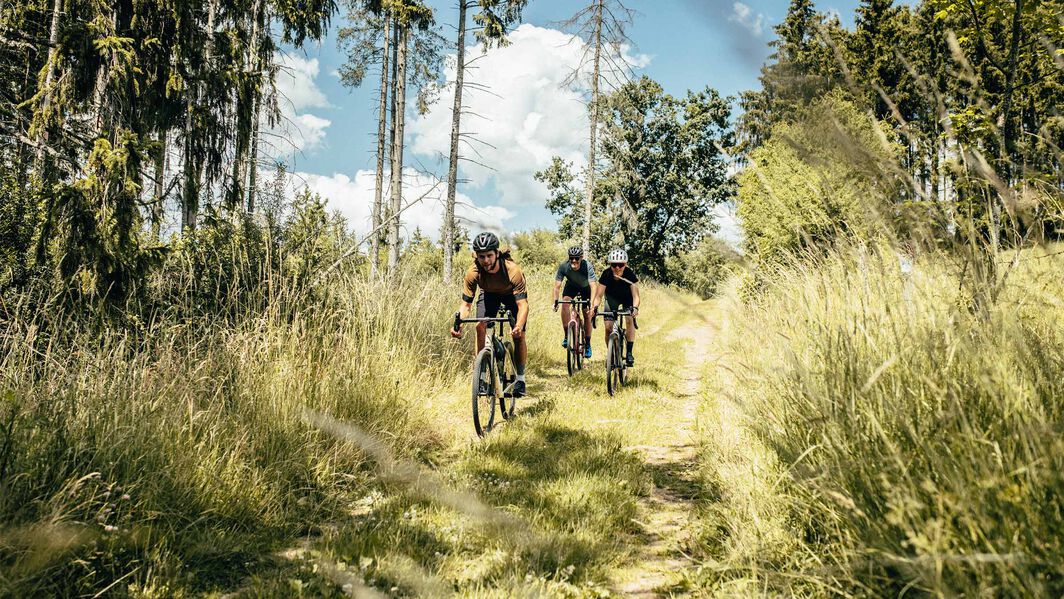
(488,304)
(574,291)
(612,305)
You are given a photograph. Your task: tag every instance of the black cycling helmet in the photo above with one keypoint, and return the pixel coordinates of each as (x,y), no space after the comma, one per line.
(576,251)
(485,241)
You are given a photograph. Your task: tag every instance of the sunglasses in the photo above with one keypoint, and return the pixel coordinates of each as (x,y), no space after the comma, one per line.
(616,265)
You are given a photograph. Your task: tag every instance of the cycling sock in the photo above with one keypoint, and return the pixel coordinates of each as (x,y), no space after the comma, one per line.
(521,377)
(520,371)
(629,346)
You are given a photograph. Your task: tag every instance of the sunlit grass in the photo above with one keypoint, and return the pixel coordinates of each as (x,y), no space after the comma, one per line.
(178,457)
(895,439)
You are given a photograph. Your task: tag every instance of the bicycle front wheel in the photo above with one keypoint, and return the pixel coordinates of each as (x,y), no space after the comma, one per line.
(571,349)
(507,377)
(613,364)
(483,403)
(580,345)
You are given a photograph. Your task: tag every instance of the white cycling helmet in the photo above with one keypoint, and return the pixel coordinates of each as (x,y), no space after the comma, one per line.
(617,256)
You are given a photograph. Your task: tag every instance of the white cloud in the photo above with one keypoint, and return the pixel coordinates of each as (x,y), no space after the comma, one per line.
(296,82)
(744,15)
(520,107)
(353,198)
(297,90)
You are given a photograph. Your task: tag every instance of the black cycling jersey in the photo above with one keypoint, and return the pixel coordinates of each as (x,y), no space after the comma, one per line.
(618,290)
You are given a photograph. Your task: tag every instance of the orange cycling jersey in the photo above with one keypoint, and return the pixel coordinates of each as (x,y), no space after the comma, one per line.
(509,279)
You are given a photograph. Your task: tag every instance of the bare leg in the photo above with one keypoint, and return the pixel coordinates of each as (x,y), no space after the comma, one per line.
(629,332)
(482,332)
(566,313)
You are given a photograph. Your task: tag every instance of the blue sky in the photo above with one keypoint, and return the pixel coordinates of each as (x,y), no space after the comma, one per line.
(683,44)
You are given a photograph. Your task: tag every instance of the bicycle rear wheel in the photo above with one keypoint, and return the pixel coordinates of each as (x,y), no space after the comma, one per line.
(483,404)
(571,349)
(507,378)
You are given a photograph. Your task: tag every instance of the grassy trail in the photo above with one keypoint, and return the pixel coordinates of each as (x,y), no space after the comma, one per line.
(664,514)
(581,495)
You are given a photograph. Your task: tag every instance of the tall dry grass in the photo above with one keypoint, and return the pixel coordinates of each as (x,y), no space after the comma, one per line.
(169,456)
(920,443)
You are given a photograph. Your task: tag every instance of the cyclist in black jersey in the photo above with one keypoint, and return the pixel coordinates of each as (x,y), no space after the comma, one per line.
(619,285)
(579,278)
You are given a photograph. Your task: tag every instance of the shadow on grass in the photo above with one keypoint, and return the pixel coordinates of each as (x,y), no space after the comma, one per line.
(579,488)
(574,492)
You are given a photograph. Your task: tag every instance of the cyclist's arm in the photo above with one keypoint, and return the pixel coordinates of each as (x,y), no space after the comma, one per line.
(596,294)
(635,296)
(464,309)
(469,292)
(522,313)
(557,289)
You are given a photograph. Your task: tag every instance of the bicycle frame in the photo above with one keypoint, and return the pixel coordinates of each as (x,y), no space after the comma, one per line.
(615,365)
(495,353)
(574,357)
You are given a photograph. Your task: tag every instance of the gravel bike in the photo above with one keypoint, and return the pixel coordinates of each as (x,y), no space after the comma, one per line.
(494,371)
(615,365)
(575,338)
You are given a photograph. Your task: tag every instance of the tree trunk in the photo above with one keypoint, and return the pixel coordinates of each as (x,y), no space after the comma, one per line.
(594,128)
(382,126)
(397,150)
(193,161)
(1009,141)
(99,95)
(447,233)
(49,78)
(246,124)
(160,187)
(253,159)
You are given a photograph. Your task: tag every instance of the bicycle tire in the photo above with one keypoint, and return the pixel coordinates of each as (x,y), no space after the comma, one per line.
(507,377)
(612,352)
(581,344)
(571,349)
(483,405)
(622,372)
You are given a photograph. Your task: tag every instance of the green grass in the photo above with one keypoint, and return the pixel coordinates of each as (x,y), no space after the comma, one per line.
(895,442)
(177,458)
(560,483)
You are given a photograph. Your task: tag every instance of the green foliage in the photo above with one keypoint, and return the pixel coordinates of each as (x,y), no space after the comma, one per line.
(313,239)
(567,203)
(539,248)
(92,228)
(703,269)
(494,18)
(666,169)
(421,256)
(804,69)
(816,181)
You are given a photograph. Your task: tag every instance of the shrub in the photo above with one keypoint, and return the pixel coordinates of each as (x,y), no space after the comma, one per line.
(816,181)
(704,268)
(539,249)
